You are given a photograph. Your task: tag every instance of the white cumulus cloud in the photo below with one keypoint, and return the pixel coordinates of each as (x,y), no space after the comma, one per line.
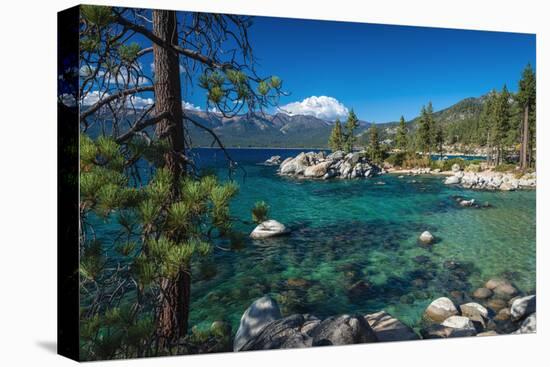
(323,107)
(189,106)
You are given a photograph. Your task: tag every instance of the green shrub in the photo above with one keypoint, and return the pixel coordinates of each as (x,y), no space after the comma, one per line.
(259,212)
(447,164)
(473,168)
(506,167)
(397,159)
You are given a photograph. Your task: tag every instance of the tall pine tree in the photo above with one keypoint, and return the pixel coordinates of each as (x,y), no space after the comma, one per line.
(527,99)
(401,139)
(336,139)
(425,131)
(501,124)
(351,124)
(373,150)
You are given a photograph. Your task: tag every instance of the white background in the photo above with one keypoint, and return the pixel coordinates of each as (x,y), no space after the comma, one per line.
(28,181)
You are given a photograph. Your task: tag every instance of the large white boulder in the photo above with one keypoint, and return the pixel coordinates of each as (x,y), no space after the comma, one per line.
(318,170)
(269,228)
(451,180)
(458,322)
(461,325)
(473,310)
(261,313)
(523,306)
(440,310)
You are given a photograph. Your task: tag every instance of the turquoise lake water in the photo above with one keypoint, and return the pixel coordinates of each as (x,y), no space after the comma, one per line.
(348,231)
(353,245)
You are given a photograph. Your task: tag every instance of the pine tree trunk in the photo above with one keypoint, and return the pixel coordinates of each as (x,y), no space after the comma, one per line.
(525,139)
(175,292)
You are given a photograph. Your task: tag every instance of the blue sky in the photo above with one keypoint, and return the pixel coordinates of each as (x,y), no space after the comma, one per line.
(385,71)
(381,71)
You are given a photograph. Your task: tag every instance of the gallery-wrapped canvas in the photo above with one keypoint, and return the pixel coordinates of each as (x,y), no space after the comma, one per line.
(230,183)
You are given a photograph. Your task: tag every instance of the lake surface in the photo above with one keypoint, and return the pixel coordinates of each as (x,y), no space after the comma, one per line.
(348,231)
(353,245)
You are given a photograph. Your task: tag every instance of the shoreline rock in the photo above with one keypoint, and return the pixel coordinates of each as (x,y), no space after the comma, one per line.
(273,161)
(263,327)
(335,165)
(257,316)
(491,180)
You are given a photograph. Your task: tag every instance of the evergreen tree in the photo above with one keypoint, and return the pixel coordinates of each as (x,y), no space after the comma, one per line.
(501,124)
(425,131)
(138,304)
(336,139)
(486,122)
(439,140)
(401,139)
(527,100)
(352,123)
(431,128)
(374,151)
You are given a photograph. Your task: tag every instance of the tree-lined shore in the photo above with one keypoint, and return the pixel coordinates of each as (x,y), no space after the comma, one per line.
(504,132)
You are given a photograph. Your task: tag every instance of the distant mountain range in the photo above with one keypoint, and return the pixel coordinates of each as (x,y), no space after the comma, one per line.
(301,131)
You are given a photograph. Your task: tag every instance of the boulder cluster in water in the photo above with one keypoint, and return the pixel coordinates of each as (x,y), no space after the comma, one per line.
(490,180)
(335,165)
(499,310)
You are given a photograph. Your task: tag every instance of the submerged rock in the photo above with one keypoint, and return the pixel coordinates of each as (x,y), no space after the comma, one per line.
(496,304)
(426,238)
(342,330)
(440,309)
(495,282)
(505,291)
(358,290)
(482,293)
(261,312)
(297,282)
(269,228)
(387,328)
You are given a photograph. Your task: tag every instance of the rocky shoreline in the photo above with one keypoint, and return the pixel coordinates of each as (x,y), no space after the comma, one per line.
(491,180)
(317,165)
(494,309)
(476,180)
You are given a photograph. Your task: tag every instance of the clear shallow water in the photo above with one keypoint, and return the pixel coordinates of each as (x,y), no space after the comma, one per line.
(345,232)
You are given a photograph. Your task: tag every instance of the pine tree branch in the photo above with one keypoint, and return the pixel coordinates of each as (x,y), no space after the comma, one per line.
(140,125)
(113,97)
(195,55)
